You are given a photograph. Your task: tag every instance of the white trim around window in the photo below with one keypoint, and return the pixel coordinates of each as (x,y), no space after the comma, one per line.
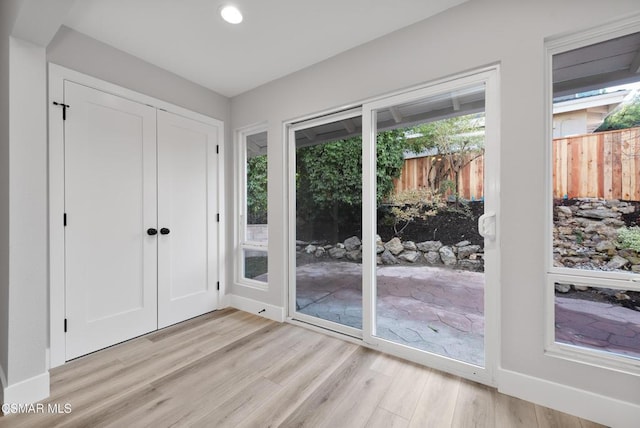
(580,277)
(244,243)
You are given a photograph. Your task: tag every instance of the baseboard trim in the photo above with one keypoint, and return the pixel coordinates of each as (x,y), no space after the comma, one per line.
(3,384)
(225,301)
(265,310)
(584,404)
(28,391)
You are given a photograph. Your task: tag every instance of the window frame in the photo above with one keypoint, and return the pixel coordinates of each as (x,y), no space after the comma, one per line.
(553,274)
(242,244)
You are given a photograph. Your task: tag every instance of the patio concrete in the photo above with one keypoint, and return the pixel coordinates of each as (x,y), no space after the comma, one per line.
(433,309)
(441,310)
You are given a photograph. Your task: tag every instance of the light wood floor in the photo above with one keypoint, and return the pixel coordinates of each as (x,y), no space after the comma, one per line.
(234,369)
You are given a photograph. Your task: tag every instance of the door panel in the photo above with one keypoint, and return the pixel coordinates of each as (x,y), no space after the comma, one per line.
(110,201)
(430,272)
(187,206)
(436,205)
(327,211)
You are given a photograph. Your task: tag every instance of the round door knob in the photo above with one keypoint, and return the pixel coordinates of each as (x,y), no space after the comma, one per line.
(164,231)
(151,231)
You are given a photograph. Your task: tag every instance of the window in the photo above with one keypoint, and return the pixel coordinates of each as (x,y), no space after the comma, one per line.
(252,233)
(594,205)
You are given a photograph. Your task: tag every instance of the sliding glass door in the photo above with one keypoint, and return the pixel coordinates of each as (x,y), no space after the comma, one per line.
(326,253)
(393,224)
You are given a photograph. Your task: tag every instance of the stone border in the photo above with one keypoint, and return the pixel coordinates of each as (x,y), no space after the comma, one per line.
(462,255)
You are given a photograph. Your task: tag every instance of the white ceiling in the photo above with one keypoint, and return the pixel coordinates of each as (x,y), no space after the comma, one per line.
(277,37)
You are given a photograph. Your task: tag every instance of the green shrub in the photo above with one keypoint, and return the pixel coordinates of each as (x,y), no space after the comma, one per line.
(629,237)
(411,204)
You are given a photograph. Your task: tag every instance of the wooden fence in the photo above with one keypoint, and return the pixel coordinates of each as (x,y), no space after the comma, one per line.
(427,172)
(602,165)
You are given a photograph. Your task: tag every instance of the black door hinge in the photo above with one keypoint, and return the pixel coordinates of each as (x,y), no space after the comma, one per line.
(64,109)
(64,219)
(218,284)
(217,148)
(218,217)
(65,325)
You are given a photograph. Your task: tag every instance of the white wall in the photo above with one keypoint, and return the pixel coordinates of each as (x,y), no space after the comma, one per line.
(469,36)
(82,53)
(28,212)
(8,14)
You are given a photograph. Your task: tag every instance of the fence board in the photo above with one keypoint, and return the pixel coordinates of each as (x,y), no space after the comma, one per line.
(603,165)
(607,167)
(600,164)
(617,166)
(626,169)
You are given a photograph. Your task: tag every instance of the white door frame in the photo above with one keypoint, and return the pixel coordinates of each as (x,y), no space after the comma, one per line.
(291,142)
(57,77)
(486,374)
(490,76)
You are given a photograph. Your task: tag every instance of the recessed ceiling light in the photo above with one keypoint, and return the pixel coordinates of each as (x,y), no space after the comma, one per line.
(231,14)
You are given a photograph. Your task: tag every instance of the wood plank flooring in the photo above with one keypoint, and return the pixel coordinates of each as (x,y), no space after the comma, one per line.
(234,369)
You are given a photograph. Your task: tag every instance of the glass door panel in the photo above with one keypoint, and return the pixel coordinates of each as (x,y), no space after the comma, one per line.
(429,292)
(328,222)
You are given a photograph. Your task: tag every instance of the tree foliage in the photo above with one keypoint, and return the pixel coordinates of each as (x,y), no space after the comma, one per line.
(257,190)
(329,175)
(625,116)
(455,140)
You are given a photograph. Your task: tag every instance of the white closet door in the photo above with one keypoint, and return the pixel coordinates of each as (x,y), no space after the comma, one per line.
(187,209)
(110,202)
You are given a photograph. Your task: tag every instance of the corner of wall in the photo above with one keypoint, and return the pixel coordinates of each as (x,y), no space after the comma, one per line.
(28,391)
(3,384)
(588,405)
(265,310)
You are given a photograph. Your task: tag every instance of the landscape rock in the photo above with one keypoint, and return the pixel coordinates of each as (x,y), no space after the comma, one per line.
(310,249)
(432,257)
(410,256)
(388,258)
(409,245)
(379,245)
(622,295)
(617,262)
(463,243)
(472,265)
(394,246)
(337,253)
(598,214)
(563,288)
(354,255)
(427,246)
(319,252)
(447,256)
(585,234)
(605,246)
(465,252)
(352,243)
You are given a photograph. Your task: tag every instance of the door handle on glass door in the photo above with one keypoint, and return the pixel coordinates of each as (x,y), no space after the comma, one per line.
(151,231)
(487,225)
(164,231)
